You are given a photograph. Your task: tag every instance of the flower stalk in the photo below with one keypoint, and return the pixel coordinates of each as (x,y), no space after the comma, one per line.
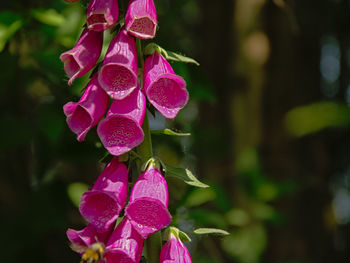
(144,150)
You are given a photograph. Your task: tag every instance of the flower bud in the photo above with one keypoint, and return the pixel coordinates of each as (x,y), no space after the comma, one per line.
(88,111)
(83,56)
(88,236)
(118,75)
(101,205)
(124,245)
(174,251)
(141,19)
(102,14)
(165,90)
(148,204)
(121,130)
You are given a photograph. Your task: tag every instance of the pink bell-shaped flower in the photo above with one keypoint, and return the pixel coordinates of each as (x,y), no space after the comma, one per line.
(165,90)
(118,75)
(102,14)
(148,205)
(88,111)
(174,251)
(121,130)
(101,205)
(83,56)
(88,236)
(124,245)
(141,19)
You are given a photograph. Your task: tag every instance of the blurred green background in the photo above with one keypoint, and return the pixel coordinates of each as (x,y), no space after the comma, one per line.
(269,116)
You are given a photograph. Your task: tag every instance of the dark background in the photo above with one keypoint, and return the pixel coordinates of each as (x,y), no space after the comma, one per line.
(269,116)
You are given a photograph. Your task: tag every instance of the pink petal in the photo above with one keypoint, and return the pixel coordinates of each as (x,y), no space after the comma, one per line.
(88,236)
(174,251)
(101,205)
(125,244)
(102,14)
(141,19)
(121,130)
(165,90)
(88,111)
(148,204)
(83,56)
(118,75)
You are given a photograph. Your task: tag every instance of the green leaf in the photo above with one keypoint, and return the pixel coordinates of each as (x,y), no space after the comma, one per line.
(10,23)
(49,16)
(184,174)
(204,231)
(177,233)
(170,132)
(304,120)
(169,55)
(75,191)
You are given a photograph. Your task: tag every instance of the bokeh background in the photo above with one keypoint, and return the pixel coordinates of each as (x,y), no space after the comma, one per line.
(269,117)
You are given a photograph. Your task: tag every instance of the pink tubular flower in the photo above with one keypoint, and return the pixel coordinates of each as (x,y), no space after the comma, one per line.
(101,205)
(83,56)
(88,111)
(165,90)
(174,251)
(148,205)
(118,75)
(121,130)
(88,236)
(141,19)
(124,245)
(102,14)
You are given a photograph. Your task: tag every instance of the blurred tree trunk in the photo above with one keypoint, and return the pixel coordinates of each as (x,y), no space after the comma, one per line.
(293,79)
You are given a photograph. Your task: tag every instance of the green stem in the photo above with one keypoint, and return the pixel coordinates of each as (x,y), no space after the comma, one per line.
(144,150)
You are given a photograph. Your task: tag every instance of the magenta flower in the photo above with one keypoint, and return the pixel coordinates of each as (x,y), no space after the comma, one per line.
(174,251)
(88,111)
(141,19)
(121,130)
(148,204)
(88,236)
(124,245)
(118,75)
(165,90)
(83,56)
(102,14)
(101,205)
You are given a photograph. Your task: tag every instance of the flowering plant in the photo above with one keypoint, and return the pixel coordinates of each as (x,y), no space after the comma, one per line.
(133,79)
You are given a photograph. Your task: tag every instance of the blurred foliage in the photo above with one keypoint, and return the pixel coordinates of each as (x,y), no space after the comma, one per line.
(268,118)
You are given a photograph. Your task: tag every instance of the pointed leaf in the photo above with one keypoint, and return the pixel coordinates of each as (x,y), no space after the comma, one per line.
(49,16)
(177,57)
(169,55)
(10,23)
(184,237)
(204,231)
(184,174)
(170,132)
(177,233)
